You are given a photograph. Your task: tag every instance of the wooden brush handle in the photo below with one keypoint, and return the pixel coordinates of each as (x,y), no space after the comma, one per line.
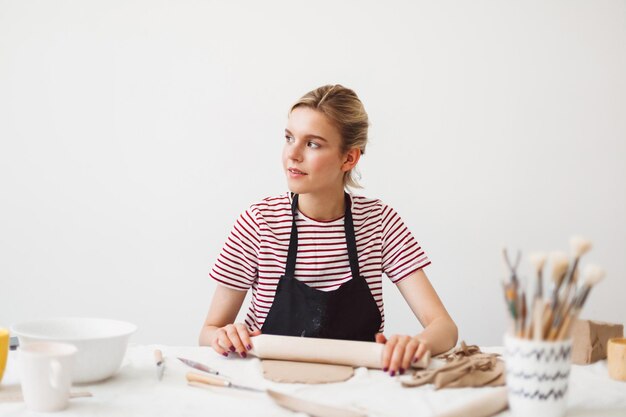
(537,320)
(206,379)
(554,331)
(564,328)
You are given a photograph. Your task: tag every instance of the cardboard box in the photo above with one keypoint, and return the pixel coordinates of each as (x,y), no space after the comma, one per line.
(590,339)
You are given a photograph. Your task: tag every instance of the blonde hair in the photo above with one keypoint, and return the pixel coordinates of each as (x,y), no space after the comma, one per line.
(344,109)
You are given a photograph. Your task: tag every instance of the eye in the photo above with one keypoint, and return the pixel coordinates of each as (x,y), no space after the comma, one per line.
(288,138)
(313,145)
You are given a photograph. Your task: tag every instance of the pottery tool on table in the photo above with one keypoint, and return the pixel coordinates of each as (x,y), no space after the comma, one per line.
(199,366)
(329,351)
(289,402)
(160,364)
(204,380)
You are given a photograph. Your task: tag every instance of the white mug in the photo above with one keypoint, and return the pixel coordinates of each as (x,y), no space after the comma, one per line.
(46,374)
(537,376)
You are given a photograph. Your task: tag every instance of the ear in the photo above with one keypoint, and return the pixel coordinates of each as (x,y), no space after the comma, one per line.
(350,159)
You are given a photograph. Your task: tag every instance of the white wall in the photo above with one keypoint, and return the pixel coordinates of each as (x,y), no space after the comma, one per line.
(132,133)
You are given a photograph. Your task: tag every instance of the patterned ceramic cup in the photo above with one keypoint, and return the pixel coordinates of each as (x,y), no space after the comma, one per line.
(537,376)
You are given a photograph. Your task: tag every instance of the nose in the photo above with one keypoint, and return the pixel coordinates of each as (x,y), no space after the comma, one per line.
(294,151)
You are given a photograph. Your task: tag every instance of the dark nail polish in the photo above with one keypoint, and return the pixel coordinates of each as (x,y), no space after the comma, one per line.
(232,348)
(385,369)
(393,373)
(225,354)
(248,347)
(243,354)
(401,371)
(415,359)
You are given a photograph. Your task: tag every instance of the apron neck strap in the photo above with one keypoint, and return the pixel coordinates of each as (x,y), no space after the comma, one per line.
(292,254)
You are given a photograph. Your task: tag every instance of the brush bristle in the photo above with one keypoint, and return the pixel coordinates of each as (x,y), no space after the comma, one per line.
(538,259)
(579,245)
(560,263)
(593,274)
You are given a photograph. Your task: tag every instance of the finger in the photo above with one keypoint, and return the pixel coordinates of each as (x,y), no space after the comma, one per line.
(395,365)
(409,353)
(421,351)
(387,352)
(233,335)
(380,338)
(225,342)
(215,343)
(255,332)
(244,336)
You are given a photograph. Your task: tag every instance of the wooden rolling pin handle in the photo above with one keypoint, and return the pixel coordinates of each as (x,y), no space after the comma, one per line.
(158,356)
(206,379)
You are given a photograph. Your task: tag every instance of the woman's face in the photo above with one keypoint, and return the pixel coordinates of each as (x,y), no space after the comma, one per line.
(312,157)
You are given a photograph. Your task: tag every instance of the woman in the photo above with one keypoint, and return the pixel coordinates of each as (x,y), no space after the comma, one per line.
(314,257)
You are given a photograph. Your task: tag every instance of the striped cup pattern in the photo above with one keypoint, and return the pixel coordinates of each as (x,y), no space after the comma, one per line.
(537,376)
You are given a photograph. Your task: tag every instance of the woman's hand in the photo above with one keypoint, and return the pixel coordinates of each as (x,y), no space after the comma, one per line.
(232,338)
(400,351)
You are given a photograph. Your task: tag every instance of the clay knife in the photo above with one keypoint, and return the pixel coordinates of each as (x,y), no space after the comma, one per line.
(199,366)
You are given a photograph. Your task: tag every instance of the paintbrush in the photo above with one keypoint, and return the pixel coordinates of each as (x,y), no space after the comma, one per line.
(523,313)
(592,275)
(579,247)
(510,297)
(538,259)
(560,264)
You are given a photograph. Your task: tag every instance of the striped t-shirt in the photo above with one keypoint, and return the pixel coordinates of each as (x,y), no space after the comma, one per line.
(255,253)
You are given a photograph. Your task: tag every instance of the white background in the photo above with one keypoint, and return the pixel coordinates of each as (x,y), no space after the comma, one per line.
(132,134)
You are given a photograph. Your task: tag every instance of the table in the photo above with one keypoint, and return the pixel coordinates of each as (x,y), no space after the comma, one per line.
(135,391)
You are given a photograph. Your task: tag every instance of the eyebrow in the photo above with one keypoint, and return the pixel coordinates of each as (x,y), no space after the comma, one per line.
(307,136)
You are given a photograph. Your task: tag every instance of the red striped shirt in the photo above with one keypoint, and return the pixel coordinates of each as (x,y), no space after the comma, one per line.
(255,253)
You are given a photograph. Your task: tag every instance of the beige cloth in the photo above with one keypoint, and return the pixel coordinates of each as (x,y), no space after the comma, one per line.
(466,366)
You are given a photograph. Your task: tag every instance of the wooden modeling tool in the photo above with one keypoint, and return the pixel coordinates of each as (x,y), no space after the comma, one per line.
(160,364)
(215,381)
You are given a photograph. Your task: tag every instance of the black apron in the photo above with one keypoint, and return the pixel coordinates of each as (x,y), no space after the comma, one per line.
(349,313)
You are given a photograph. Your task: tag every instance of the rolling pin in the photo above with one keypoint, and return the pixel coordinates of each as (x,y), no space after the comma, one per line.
(330,351)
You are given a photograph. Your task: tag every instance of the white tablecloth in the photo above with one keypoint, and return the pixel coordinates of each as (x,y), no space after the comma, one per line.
(135,391)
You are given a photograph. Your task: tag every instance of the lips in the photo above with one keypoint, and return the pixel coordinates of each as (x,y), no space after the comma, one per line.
(295,171)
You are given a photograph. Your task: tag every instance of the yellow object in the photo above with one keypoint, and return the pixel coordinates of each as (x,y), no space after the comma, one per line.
(4,350)
(616,355)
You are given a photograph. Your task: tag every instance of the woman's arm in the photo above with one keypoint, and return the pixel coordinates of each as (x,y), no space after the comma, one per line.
(439,335)
(218,330)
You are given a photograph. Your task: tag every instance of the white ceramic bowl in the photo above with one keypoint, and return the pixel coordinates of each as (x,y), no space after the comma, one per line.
(101,343)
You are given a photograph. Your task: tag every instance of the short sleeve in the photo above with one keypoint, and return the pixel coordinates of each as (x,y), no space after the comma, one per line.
(402,254)
(237,264)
